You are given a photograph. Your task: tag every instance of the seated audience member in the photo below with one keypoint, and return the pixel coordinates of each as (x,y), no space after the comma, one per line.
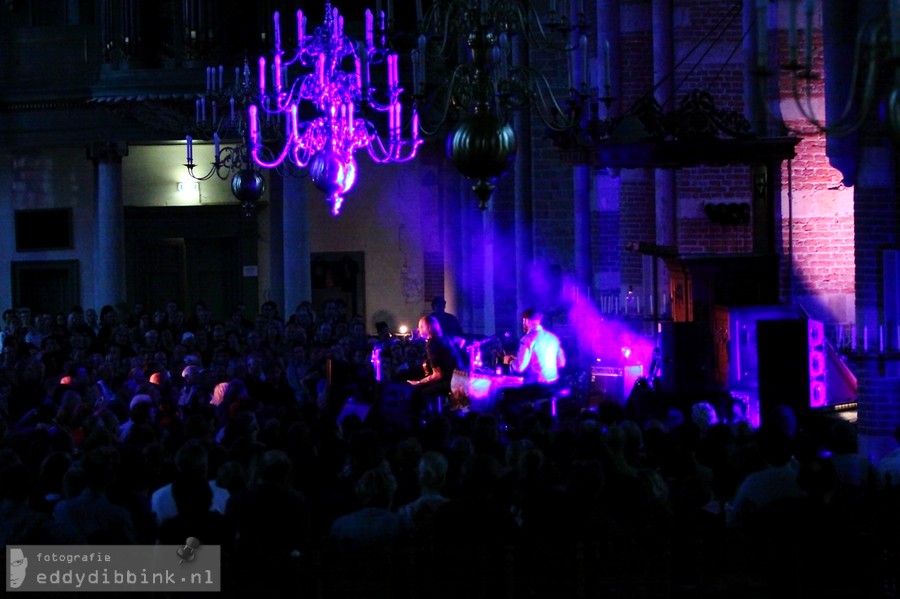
(193,499)
(272,524)
(191,464)
(888,467)
(373,526)
(195,395)
(855,474)
(140,416)
(431,474)
(777,480)
(19,522)
(90,515)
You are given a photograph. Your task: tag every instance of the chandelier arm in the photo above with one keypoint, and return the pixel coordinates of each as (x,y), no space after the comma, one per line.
(447,35)
(301,156)
(413,150)
(440,23)
(548,104)
(525,18)
(213,170)
(445,109)
(259,159)
(381,154)
(377,151)
(541,39)
(374,104)
(205,177)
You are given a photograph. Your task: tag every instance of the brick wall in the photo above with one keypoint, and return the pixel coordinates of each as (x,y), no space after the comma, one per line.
(434,275)
(605,234)
(636,221)
(821,252)
(699,236)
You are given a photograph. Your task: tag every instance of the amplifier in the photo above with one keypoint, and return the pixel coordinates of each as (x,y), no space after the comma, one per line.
(597,371)
(607,384)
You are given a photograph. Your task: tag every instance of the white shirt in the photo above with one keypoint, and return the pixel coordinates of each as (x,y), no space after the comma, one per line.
(760,489)
(540,356)
(162,502)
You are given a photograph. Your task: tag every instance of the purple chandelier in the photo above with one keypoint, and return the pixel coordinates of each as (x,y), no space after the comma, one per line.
(322,97)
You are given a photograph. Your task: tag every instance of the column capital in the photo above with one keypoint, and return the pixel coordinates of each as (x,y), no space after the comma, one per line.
(107,152)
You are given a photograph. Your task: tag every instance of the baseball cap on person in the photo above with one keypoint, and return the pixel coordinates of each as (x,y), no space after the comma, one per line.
(438,300)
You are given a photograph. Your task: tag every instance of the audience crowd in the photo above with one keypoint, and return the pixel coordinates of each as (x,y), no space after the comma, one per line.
(132,426)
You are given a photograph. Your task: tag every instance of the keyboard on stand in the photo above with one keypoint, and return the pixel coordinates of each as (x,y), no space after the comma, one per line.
(478,389)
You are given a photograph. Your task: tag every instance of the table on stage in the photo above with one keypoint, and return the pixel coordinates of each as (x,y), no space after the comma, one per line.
(478,389)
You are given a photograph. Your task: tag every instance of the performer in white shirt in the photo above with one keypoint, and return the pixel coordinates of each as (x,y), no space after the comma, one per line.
(539,360)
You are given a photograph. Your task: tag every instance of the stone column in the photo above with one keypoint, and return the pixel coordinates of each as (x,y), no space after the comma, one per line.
(523,206)
(666,200)
(876,222)
(583,241)
(581,186)
(607,182)
(297,275)
(109,260)
(489,249)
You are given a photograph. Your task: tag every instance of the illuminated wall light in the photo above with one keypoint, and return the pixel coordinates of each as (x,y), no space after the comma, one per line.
(188,187)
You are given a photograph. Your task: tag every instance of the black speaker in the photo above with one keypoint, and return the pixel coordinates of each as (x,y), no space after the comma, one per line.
(791,361)
(607,384)
(686,358)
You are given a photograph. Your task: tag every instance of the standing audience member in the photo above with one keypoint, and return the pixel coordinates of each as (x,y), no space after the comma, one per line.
(449,323)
